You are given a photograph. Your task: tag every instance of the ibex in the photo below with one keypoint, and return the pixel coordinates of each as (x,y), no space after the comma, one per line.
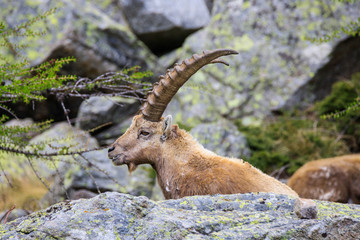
(183,166)
(331,179)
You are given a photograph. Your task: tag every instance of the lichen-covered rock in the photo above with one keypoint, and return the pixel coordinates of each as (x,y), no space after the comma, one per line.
(305,208)
(343,64)
(223,138)
(274,57)
(89,31)
(163,25)
(238,216)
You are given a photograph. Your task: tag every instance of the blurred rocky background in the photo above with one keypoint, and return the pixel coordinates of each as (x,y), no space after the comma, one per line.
(264,108)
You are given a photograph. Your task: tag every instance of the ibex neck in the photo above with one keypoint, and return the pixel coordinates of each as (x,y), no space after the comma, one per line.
(175,164)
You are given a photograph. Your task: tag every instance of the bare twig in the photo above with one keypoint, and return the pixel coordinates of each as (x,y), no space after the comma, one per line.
(90,175)
(277,173)
(99,169)
(9,111)
(6,215)
(61,178)
(6,177)
(37,174)
(53,154)
(66,111)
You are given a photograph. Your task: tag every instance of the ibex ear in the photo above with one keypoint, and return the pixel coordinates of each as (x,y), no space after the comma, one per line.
(167,123)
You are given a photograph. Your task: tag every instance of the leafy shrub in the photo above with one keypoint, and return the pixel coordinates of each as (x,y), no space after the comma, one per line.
(342,107)
(289,141)
(342,95)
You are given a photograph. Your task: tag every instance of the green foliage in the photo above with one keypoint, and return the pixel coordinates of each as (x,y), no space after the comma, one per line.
(344,99)
(291,142)
(343,93)
(351,28)
(29,83)
(19,81)
(14,39)
(11,136)
(342,106)
(134,73)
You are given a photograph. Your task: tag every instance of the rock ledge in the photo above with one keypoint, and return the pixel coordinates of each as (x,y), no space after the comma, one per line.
(249,216)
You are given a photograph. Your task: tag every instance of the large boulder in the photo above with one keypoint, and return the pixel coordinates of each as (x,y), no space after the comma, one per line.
(92,32)
(245,216)
(164,25)
(274,57)
(344,62)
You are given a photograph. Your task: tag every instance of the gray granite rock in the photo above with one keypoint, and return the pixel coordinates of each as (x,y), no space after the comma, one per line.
(92,32)
(343,64)
(274,59)
(164,24)
(244,216)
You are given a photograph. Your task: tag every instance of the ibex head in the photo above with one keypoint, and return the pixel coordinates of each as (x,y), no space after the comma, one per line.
(147,137)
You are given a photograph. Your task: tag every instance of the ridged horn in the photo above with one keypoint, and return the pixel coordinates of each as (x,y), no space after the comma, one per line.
(167,86)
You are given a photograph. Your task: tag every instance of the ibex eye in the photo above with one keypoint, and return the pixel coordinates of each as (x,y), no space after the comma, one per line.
(144,133)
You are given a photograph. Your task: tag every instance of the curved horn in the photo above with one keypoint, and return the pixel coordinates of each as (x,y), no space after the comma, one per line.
(168,85)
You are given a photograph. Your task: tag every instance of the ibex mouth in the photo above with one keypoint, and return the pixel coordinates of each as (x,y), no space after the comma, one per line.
(118,159)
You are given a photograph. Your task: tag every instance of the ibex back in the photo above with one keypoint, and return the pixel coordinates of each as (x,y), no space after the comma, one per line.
(183,166)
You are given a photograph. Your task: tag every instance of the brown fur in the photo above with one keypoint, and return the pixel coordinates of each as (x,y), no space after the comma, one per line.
(186,168)
(332,179)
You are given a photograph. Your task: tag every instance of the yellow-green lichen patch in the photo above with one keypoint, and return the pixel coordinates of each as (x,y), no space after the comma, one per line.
(243,43)
(332,209)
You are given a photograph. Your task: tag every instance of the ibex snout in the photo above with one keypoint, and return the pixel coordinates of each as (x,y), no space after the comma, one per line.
(111,148)
(115,157)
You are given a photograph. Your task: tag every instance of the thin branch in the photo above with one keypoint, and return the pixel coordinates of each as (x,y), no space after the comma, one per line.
(53,154)
(61,178)
(66,111)
(37,174)
(6,177)
(99,169)
(8,110)
(6,215)
(90,175)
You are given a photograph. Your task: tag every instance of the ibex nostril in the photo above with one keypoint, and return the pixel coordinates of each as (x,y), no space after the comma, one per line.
(111,149)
